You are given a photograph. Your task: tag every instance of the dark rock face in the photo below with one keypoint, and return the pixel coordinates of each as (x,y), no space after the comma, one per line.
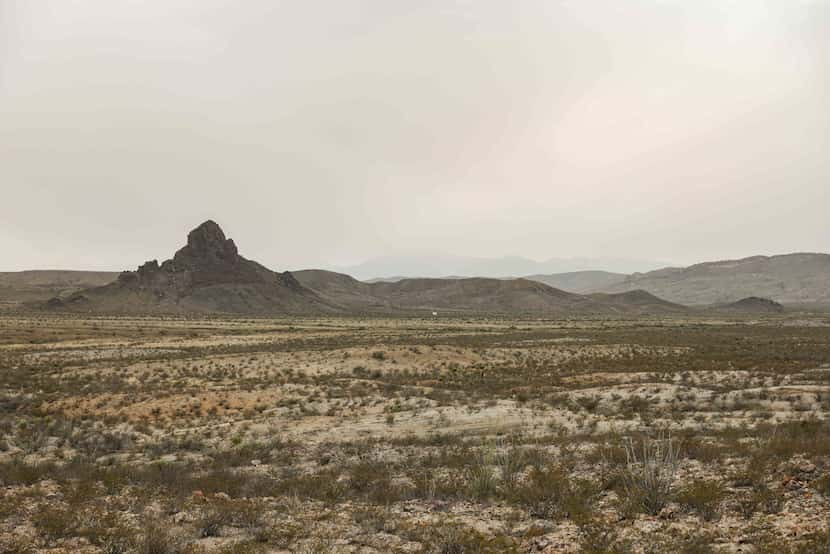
(208,258)
(206,247)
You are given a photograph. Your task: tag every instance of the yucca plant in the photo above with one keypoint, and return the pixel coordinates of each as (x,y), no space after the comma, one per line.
(650,469)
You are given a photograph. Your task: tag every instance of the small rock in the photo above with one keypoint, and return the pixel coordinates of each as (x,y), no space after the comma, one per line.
(807,467)
(790,483)
(669,511)
(540,543)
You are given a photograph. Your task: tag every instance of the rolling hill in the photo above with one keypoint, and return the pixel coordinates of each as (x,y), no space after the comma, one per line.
(751,305)
(790,279)
(39,285)
(472,295)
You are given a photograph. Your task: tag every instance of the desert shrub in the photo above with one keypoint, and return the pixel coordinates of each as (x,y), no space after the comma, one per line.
(100,443)
(550,492)
(482,481)
(496,469)
(697,543)
(155,538)
(810,438)
(822,485)
(649,475)
(282,534)
(767,500)
(372,519)
(599,537)
(254,450)
(324,485)
(242,547)
(510,461)
(454,538)
(817,543)
(213,519)
(18,472)
(55,523)
(429,485)
(244,513)
(374,481)
(702,497)
(696,448)
(105,529)
(230,482)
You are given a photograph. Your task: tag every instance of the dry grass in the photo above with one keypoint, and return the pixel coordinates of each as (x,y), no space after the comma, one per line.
(458,435)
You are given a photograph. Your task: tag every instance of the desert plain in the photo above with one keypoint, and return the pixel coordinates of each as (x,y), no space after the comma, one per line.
(414,434)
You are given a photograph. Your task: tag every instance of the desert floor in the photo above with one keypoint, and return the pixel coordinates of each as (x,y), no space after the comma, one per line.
(446,435)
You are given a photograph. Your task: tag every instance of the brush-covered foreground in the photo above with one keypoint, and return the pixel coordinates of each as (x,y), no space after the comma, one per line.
(412,435)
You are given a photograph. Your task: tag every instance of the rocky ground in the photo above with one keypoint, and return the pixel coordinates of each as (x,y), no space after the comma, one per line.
(162,435)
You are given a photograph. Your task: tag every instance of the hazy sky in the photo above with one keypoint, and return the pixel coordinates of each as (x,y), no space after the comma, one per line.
(327,132)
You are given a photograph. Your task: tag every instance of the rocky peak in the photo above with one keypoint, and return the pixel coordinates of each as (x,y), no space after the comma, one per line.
(207,245)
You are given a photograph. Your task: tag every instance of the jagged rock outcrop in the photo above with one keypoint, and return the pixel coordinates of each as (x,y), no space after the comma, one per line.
(207,275)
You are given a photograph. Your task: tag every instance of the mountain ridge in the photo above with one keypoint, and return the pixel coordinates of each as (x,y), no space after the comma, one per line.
(470,295)
(209,275)
(794,278)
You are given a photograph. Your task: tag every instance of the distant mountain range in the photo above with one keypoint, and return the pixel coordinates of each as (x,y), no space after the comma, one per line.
(800,279)
(475,295)
(791,279)
(208,275)
(441,265)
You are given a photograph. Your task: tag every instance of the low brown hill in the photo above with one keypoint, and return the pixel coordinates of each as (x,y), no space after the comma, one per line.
(473,295)
(40,285)
(639,302)
(751,305)
(206,276)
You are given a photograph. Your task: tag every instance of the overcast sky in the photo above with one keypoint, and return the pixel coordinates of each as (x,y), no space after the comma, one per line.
(322,133)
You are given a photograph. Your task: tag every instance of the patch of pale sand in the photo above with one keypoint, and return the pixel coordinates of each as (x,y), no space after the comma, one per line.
(505,417)
(95,354)
(309,362)
(734,378)
(737,378)
(395,358)
(614,351)
(80,348)
(656,391)
(167,406)
(788,389)
(606,378)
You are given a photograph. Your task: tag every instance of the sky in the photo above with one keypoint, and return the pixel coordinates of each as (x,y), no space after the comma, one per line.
(325,133)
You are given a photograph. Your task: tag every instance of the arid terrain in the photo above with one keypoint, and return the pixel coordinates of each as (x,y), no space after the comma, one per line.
(448,435)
